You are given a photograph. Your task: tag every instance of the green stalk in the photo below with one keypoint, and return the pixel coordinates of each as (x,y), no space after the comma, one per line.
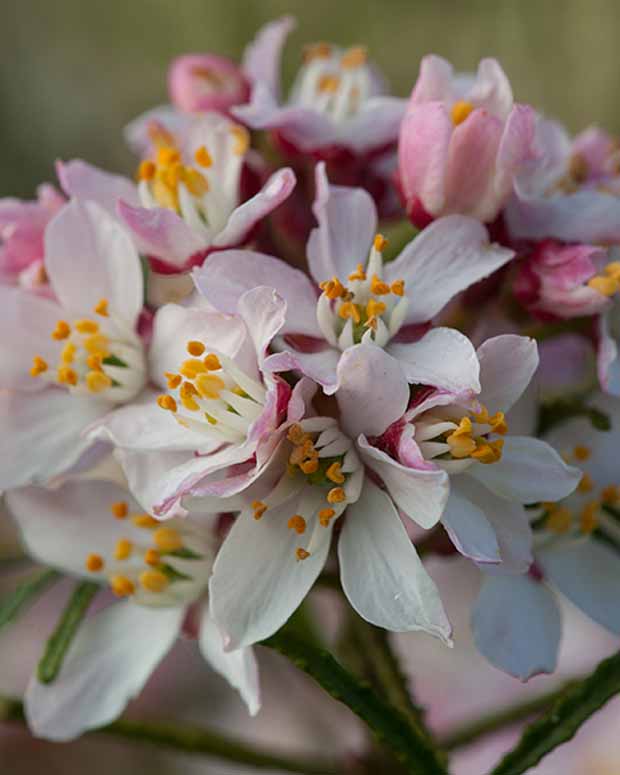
(24,595)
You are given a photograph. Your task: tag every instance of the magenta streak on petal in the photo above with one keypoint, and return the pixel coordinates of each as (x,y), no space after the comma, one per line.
(305,344)
(164,267)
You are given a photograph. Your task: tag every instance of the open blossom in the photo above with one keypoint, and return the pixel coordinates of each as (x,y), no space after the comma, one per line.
(187,201)
(337,101)
(73,359)
(95,530)
(516,619)
(570,191)
(462,142)
(362,299)
(22,229)
(567,281)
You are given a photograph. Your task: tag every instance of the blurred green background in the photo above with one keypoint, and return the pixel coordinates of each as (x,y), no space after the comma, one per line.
(74,72)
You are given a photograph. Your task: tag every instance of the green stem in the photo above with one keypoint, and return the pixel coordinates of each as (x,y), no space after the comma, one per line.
(493,722)
(564,718)
(389,725)
(194,740)
(24,595)
(65,631)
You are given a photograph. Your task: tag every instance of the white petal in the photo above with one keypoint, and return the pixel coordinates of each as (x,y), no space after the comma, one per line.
(381,573)
(108,664)
(238,667)
(517,626)
(469,529)
(507,364)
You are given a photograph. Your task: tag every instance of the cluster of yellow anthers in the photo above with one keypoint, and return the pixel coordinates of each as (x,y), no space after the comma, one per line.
(561,519)
(352,58)
(151,577)
(199,382)
(368,313)
(305,458)
(608,282)
(166,170)
(464,444)
(84,344)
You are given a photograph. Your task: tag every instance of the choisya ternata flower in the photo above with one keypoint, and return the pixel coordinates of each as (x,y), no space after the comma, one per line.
(363,299)
(94,529)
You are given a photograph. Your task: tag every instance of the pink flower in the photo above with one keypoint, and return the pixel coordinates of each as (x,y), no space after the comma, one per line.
(22,228)
(462,142)
(337,101)
(205,82)
(566,281)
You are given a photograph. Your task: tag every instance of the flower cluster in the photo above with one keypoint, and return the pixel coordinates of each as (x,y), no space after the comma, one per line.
(222,380)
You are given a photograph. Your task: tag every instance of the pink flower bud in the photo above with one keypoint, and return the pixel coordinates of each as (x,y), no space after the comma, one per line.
(201,82)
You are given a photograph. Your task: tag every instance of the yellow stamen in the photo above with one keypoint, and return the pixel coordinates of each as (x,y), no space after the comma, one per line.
(488,451)
(334,473)
(317,51)
(167,156)
(378,287)
(153,580)
(86,326)
(325,516)
(167,402)
(152,557)
(380,243)
(607,286)
(349,310)
(259,509)
(328,84)
(375,308)
(297,523)
(196,182)
(173,380)
(209,385)
(119,509)
(122,586)
(123,549)
(336,495)
(67,354)
(588,519)
(94,563)
(310,466)
(460,110)
(145,521)
(195,348)
(296,434)
(333,288)
(167,539)
(101,308)
(613,269)
(498,423)
(585,484)
(62,330)
(94,362)
(192,367)
(212,362)
(302,554)
(354,57)
(187,393)
(242,139)
(460,441)
(398,287)
(97,344)
(559,520)
(610,494)
(146,170)
(203,157)
(97,381)
(359,273)
(581,452)
(482,416)
(39,366)
(67,376)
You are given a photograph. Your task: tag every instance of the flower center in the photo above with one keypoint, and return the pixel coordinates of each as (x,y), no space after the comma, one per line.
(103,358)
(321,456)
(211,394)
(367,309)
(333,81)
(168,564)
(608,282)
(460,110)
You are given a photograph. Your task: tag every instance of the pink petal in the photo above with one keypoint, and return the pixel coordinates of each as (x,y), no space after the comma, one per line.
(82,180)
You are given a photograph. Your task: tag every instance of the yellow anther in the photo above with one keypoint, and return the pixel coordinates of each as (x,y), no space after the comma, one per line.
(242,139)
(349,310)
(325,516)
(122,586)
(581,452)
(310,466)
(302,554)
(195,348)
(39,366)
(195,181)
(460,110)
(212,362)
(97,344)
(354,57)
(146,170)
(613,269)
(186,394)
(559,520)
(317,51)
(588,519)
(610,494)
(153,580)
(607,286)
(173,380)
(328,83)
(67,376)
(375,308)
(336,495)
(585,484)
(152,557)
(210,385)
(167,539)
(86,326)
(94,362)
(145,521)
(192,367)
(259,509)
(94,563)
(119,509)
(297,523)
(167,156)
(62,330)
(159,135)
(101,308)
(333,288)
(398,287)
(482,416)
(97,381)
(297,456)
(359,273)
(460,441)
(296,434)
(378,287)
(488,451)
(203,157)
(123,549)
(578,168)
(380,243)
(334,473)
(498,423)
(167,402)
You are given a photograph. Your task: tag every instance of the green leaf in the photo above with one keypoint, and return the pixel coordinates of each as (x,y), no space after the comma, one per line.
(18,601)
(563,719)
(388,724)
(66,629)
